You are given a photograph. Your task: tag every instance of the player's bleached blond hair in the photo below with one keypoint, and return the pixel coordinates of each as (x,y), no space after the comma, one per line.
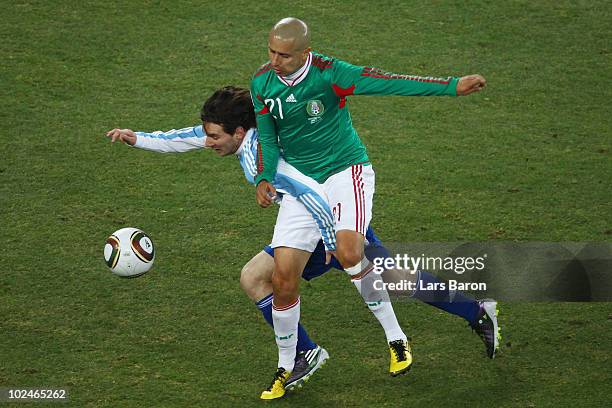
(292,29)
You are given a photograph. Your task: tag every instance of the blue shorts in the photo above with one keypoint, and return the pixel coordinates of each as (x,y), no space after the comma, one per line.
(316,264)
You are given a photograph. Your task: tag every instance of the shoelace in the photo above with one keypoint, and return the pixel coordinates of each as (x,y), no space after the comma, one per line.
(277,376)
(399,348)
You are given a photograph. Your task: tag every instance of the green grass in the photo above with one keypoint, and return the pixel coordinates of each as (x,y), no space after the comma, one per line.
(527,160)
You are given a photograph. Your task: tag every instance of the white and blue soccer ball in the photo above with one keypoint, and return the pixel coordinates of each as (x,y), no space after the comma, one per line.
(129,252)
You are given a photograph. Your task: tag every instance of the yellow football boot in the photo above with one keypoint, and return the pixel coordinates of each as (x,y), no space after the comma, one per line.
(401,357)
(277,388)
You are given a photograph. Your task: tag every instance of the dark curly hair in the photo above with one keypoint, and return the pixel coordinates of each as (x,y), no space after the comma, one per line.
(229,107)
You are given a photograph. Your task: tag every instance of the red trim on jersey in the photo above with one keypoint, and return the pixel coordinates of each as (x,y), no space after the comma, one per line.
(263,69)
(283,308)
(265,109)
(260,164)
(343,93)
(378,73)
(322,63)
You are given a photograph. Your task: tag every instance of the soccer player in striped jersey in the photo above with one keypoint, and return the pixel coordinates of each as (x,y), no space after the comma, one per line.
(300,98)
(229,122)
(229,129)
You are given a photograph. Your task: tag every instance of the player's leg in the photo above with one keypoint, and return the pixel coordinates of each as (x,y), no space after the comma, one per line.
(481,315)
(295,237)
(455,302)
(350,194)
(308,362)
(256,282)
(363,277)
(288,266)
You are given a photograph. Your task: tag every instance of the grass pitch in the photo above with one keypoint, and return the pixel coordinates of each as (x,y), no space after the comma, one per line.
(526,160)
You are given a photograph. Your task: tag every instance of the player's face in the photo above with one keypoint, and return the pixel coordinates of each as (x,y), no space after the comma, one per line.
(285,59)
(220,141)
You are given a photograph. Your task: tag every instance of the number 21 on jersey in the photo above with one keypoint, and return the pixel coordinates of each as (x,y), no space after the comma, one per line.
(270,103)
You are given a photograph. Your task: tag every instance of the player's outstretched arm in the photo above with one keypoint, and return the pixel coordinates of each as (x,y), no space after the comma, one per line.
(470,84)
(348,79)
(126,136)
(171,141)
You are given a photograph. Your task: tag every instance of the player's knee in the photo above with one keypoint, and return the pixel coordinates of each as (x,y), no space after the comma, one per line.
(248,279)
(350,256)
(253,280)
(349,248)
(281,283)
(256,276)
(285,289)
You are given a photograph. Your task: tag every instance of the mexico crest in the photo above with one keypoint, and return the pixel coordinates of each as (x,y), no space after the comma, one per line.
(315,107)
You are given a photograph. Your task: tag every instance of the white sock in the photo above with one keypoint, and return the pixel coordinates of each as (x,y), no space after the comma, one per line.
(377,299)
(286,321)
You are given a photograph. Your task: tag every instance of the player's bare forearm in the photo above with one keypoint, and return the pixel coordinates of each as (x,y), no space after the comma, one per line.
(470,84)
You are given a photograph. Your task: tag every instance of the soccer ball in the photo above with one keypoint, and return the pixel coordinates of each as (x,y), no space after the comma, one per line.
(129,252)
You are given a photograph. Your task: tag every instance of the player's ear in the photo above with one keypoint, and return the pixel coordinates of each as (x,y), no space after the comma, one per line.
(239,133)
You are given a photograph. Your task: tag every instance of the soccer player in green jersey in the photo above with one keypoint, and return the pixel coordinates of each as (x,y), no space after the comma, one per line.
(300,98)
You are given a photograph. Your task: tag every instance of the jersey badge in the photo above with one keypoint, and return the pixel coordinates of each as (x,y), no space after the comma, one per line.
(315,108)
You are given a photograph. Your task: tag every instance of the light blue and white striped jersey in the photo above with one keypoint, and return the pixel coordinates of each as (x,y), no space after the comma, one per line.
(288,179)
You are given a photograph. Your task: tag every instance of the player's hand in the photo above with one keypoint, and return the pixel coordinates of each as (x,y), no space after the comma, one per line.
(126,136)
(328,256)
(266,193)
(470,84)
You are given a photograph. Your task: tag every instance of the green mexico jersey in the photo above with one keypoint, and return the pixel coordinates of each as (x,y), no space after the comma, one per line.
(306,117)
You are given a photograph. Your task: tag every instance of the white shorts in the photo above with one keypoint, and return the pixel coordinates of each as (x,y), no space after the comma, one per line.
(349,194)
(295,227)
